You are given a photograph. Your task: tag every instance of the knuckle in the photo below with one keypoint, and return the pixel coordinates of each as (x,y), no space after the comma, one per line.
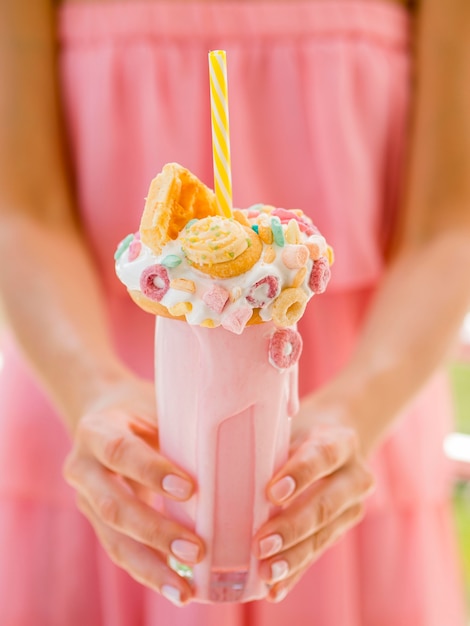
(328,451)
(367,480)
(323,510)
(319,541)
(154,534)
(114,450)
(108,510)
(303,473)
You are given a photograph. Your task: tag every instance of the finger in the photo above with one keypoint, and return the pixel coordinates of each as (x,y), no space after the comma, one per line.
(315,509)
(129,455)
(294,560)
(317,457)
(114,504)
(141,562)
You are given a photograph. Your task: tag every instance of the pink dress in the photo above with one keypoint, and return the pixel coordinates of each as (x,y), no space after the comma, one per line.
(318,98)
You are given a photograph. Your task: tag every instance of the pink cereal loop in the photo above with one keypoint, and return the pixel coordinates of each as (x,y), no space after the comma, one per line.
(154,282)
(320,275)
(285,348)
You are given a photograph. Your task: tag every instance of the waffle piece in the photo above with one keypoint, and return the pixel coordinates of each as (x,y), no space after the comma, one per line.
(175,197)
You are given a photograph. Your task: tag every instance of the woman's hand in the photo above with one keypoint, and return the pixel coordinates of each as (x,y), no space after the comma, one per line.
(117,470)
(321,488)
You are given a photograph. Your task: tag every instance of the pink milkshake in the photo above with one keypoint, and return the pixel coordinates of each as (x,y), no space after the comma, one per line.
(228,292)
(224,417)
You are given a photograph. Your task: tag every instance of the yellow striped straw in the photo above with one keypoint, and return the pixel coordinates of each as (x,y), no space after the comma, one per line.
(220,131)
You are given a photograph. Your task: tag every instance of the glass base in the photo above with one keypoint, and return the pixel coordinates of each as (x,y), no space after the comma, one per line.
(227,586)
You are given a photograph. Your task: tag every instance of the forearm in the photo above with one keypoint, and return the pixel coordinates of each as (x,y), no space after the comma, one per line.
(411,328)
(48,283)
(54,305)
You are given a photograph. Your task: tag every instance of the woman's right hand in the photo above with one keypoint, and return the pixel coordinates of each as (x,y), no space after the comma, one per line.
(117,470)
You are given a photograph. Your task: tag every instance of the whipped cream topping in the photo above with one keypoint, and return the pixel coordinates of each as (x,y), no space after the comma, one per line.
(295,256)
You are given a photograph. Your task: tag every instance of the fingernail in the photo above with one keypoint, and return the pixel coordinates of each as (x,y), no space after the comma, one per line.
(176,486)
(172,594)
(185,550)
(270,545)
(279,570)
(284,488)
(280,595)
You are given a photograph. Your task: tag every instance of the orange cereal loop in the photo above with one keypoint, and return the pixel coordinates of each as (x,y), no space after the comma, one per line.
(265,233)
(241,218)
(179,309)
(175,197)
(292,233)
(289,307)
(269,254)
(299,277)
(183,284)
(150,306)
(330,255)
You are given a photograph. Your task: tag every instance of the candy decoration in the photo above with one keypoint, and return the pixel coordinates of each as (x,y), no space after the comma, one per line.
(285,348)
(255,227)
(220,131)
(208,323)
(263,292)
(154,282)
(278,232)
(299,277)
(171,260)
(216,298)
(289,306)
(293,232)
(135,249)
(241,217)
(265,233)
(330,255)
(181,308)
(295,257)
(183,284)
(319,276)
(122,247)
(269,254)
(236,320)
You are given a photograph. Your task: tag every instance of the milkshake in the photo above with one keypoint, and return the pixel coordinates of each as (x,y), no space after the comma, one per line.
(228,293)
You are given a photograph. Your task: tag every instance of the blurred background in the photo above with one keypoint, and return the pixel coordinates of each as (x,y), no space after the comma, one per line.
(456,447)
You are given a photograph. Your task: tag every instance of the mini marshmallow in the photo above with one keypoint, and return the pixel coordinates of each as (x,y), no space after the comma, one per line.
(216,298)
(294,257)
(236,320)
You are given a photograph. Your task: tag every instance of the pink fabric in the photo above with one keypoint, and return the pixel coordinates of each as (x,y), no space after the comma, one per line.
(318,102)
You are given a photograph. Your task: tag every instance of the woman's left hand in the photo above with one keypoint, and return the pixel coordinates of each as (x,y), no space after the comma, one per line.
(321,489)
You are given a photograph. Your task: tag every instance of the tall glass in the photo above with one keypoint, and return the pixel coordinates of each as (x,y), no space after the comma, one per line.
(224,416)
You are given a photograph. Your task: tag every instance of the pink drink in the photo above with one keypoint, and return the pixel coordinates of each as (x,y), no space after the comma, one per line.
(224,416)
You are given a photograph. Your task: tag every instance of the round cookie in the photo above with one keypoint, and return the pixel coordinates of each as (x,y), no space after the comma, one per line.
(239,265)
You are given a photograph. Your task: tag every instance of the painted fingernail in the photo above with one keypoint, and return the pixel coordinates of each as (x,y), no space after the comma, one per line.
(185,550)
(176,486)
(270,545)
(279,570)
(284,488)
(172,594)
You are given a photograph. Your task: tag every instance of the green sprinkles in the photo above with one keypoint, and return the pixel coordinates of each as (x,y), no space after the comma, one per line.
(278,232)
(122,247)
(255,227)
(172,260)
